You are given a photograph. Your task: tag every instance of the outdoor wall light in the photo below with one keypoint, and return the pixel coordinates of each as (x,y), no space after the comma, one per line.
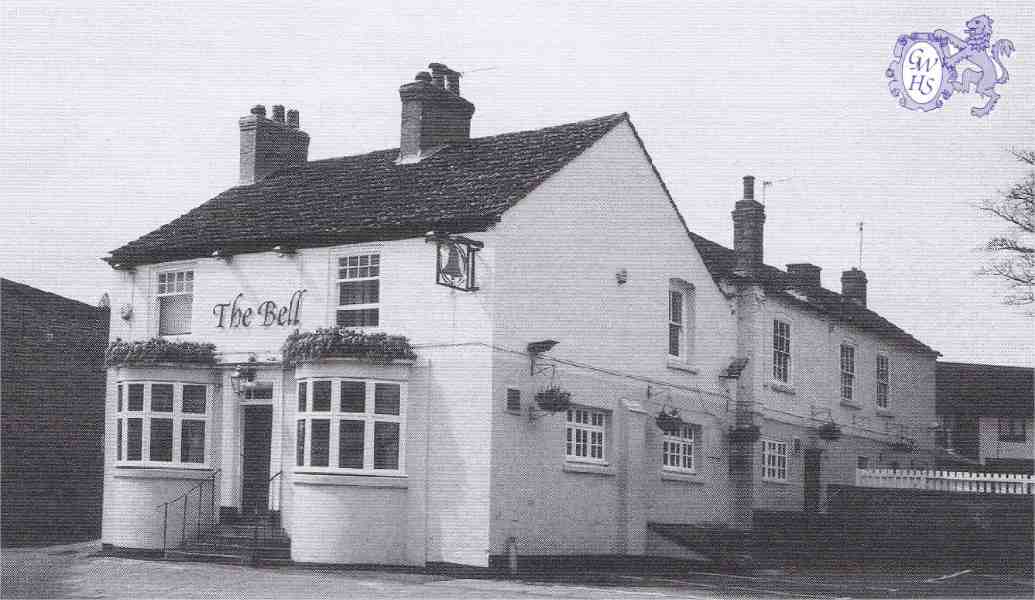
(537,348)
(222,255)
(242,378)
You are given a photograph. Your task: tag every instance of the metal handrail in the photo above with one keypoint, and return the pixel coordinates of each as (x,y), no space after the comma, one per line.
(185,497)
(275,505)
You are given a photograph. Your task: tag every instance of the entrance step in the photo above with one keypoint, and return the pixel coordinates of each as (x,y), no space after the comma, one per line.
(253,540)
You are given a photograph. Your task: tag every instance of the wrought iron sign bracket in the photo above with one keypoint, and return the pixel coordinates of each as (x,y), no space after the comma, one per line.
(455,260)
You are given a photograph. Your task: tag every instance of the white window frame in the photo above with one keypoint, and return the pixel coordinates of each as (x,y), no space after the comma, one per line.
(335,415)
(882,390)
(777,352)
(594,433)
(337,267)
(146,415)
(847,372)
(686,323)
(774,460)
(679,448)
(1009,432)
(188,290)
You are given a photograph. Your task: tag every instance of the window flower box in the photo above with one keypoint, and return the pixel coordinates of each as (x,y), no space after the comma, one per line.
(749,433)
(830,431)
(159,351)
(903,445)
(553,399)
(340,342)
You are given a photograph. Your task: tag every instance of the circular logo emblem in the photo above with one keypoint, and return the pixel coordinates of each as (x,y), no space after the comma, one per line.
(919,77)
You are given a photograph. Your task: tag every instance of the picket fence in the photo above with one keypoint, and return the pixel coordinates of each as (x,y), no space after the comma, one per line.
(946,481)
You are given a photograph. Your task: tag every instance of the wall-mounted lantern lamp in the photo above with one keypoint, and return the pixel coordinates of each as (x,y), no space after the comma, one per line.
(537,348)
(222,255)
(242,378)
(455,260)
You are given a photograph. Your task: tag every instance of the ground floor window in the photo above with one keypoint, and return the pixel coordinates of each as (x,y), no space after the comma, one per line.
(774,460)
(350,426)
(162,423)
(585,435)
(677,453)
(1013,429)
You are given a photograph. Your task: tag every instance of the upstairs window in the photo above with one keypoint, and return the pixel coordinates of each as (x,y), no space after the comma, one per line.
(883,379)
(584,435)
(774,460)
(680,320)
(677,450)
(359,290)
(847,372)
(1012,430)
(781,351)
(175,301)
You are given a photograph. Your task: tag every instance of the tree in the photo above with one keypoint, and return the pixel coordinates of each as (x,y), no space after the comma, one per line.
(1013,253)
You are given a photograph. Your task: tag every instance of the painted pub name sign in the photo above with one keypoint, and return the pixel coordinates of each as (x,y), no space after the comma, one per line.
(268,313)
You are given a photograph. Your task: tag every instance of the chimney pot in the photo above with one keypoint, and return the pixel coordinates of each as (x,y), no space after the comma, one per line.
(259,110)
(293,118)
(423,76)
(278,113)
(749,187)
(853,286)
(438,74)
(432,116)
(270,145)
(805,274)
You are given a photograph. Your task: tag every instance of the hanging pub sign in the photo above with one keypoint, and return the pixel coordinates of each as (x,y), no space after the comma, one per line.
(267,313)
(454,265)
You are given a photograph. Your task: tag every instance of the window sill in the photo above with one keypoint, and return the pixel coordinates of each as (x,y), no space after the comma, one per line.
(594,469)
(1016,440)
(152,472)
(783,388)
(883,412)
(776,482)
(679,365)
(850,404)
(393,481)
(684,477)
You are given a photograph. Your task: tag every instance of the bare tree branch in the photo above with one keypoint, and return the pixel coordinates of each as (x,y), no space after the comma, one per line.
(1013,254)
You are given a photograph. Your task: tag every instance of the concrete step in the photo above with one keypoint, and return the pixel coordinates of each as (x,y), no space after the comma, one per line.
(244,540)
(237,550)
(188,556)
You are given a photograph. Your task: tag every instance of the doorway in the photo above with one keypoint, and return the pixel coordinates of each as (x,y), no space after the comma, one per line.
(812,487)
(257,433)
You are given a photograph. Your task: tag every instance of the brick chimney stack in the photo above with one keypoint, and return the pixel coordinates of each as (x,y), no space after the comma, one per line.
(433,113)
(748,226)
(270,144)
(853,286)
(805,274)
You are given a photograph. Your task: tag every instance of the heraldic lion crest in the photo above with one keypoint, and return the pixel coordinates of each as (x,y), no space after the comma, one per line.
(975,49)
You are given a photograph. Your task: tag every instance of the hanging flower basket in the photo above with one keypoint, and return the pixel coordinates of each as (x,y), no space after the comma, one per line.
(339,342)
(903,445)
(669,422)
(749,433)
(553,399)
(158,350)
(830,431)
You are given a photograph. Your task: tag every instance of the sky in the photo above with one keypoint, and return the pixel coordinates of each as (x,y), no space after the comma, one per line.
(120,116)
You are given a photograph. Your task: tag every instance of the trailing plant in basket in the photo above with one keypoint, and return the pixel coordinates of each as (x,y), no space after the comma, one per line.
(669,422)
(553,399)
(339,342)
(159,350)
(830,431)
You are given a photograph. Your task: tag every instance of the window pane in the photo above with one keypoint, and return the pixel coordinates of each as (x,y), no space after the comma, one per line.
(675,307)
(300,444)
(118,439)
(674,333)
(350,444)
(161,397)
(367,317)
(135,401)
(301,397)
(353,396)
(513,399)
(192,441)
(174,314)
(386,399)
(193,399)
(320,445)
(386,445)
(359,292)
(162,440)
(261,391)
(134,438)
(120,396)
(321,395)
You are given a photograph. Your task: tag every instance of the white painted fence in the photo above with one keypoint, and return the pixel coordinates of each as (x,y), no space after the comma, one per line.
(946,481)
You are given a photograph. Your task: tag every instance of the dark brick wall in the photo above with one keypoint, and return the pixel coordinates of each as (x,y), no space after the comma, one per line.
(53,388)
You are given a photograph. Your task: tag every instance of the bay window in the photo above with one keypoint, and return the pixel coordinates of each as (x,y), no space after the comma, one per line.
(350,426)
(162,423)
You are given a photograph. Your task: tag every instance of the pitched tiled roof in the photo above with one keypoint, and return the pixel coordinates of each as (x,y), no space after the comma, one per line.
(721,262)
(463,187)
(989,390)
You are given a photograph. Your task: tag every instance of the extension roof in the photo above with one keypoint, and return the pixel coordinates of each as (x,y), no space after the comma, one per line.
(984,390)
(461,188)
(722,261)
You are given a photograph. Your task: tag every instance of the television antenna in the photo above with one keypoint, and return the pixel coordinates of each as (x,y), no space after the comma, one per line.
(770,182)
(860,244)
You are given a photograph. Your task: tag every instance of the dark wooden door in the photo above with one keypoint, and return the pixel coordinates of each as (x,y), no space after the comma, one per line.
(812,489)
(255,469)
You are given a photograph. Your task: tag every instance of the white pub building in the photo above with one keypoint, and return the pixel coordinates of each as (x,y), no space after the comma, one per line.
(465,349)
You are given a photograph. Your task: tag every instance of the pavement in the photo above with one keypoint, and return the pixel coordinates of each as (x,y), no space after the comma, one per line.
(79,571)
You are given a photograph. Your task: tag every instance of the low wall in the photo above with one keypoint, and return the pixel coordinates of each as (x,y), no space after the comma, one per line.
(966,529)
